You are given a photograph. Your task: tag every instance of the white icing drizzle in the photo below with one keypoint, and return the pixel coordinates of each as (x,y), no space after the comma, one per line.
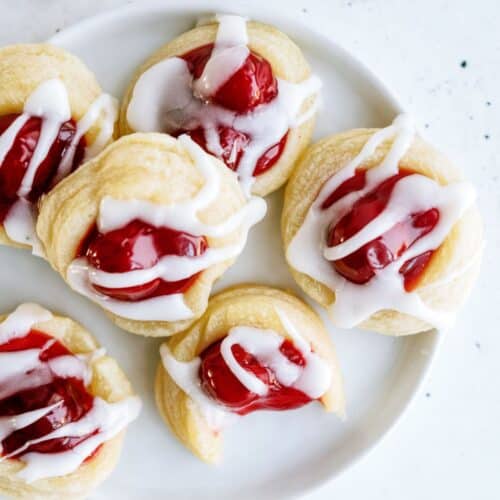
(114,214)
(105,105)
(50,102)
(309,254)
(21,370)
(313,379)
(166,99)
(21,320)
(19,224)
(109,418)
(36,379)
(13,423)
(229,53)
(186,376)
(9,135)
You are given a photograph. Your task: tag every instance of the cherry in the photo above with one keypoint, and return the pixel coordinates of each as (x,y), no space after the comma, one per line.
(139,245)
(360,266)
(219,382)
(17,159)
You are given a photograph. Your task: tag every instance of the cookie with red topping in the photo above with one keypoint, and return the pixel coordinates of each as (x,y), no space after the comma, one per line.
(241,89)
(145,228)
(64,407)
(255,348)
(53,116)
(382,230)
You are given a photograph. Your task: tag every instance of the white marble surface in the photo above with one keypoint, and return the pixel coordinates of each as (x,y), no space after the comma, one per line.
(448,444)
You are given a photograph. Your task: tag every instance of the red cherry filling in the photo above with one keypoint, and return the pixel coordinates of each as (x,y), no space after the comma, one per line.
(17,160)
(252,85)
(219,382)
(75,401)
(233,144)
(139,245)
(361,266)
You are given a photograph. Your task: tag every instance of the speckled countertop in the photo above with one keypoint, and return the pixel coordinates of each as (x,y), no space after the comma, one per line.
(442,57)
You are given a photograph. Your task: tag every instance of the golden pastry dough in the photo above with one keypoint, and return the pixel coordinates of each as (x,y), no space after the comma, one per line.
(109,383)
(245,305)
(151,167)
(459,256)
(287,62)
(24,67)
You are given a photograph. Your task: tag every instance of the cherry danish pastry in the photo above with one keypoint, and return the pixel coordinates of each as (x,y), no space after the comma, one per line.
(242,90)
(53,116)
(379,228)
(64,407)
(145,228)
(255,348)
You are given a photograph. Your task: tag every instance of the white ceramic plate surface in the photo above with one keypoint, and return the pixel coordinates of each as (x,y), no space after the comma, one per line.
(267,454)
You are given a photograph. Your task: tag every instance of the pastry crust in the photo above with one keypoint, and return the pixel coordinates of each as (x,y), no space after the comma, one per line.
(249,305)
(287,62)
(109,383)
(24,67)
(458,257)
(151,167)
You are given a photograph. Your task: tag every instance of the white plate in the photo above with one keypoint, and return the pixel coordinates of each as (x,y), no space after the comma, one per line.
(266,454)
